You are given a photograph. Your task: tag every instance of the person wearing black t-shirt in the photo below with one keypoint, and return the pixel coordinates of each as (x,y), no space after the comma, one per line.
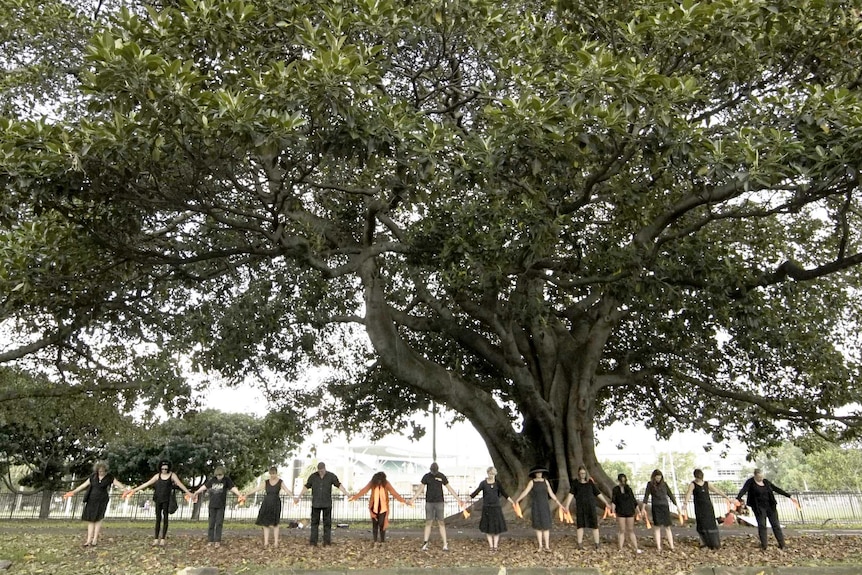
(435,509)
(218,486)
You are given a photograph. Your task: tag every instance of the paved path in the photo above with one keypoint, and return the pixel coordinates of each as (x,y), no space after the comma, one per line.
(846,570)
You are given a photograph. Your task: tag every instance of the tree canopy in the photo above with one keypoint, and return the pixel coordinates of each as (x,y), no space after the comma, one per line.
(546,216)
(199,442)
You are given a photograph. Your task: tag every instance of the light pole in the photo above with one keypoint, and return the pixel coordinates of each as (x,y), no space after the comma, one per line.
(433,431)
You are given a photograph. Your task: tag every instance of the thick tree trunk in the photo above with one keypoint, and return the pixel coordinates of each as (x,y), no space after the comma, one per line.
(45,504)
(549,374)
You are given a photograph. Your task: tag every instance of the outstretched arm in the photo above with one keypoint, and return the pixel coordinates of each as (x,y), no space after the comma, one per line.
(745,487)
(180,484)
(152,480)
(81,487)
(670,494)
(364,490)
(394,493)
(779,490)
(717,491)
(527,490)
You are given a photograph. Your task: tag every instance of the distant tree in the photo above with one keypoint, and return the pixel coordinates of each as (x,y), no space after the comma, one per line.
(196,443)
(816,465)
(53,438)
(673,465)
(614,468)
(836,468)
(787,466)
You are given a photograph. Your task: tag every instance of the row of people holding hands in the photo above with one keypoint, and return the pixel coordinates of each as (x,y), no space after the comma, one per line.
(582,491)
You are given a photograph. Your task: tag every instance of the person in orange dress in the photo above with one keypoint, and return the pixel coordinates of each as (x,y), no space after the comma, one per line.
(378,503)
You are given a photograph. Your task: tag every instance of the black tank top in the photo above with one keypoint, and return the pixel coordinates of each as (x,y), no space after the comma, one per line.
(162,490)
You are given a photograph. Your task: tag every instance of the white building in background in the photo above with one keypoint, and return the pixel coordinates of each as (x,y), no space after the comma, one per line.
(404,467)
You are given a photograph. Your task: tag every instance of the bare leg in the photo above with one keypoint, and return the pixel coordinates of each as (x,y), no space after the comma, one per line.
(91,527)
(97,528)
(580,536)
(669,537)
(596,536)
(443,533)
(630,528)
(657,533)
(539,538)
(275,531)
(496,541)
(546,536)
(621,531)
(266,536)
(427,531)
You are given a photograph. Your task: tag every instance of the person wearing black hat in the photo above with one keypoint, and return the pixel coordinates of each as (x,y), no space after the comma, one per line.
(163,484)
(540,509)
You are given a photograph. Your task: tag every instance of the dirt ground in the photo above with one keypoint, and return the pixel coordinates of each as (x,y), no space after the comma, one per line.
(124,548)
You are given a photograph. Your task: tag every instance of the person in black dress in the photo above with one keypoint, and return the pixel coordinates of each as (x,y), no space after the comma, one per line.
(586,494)
(658,491)
(163,484)
(625,505)
(492,522)
(269,515)
(761,499)
(540,509)
(218,486)
(704,512)
(96,500)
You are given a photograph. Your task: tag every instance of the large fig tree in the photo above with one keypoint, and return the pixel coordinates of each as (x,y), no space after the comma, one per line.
(545,216)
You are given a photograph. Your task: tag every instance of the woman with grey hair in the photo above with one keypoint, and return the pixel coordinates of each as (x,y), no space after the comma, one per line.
(492,523)
(761,499)
(96,500)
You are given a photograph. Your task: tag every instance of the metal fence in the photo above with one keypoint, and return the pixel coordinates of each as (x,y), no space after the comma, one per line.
(816,508)
(140,507)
